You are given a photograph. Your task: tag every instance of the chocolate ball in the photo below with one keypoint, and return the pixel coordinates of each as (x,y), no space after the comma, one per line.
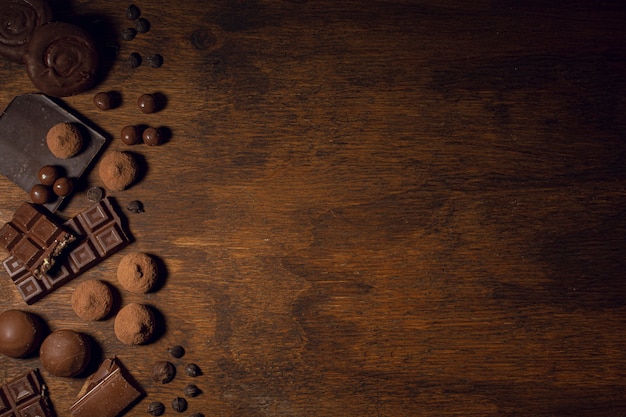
(103,101)
(137,272)
(64,140)
(134,324)
(48,174)
(118,170)
(63,186)
(130,135)
(21,333)
(65,353)
(152,136)
(40,194)
(147,104)
(92,300)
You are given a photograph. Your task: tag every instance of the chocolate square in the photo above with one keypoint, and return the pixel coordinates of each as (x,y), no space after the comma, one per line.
(25,397)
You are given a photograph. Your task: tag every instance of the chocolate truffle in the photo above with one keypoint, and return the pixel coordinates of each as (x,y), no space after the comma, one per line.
(92,300)
(134,324)
(118,170)
(65,353)
(137,272)
(21,333)
(64,140)
(61,59)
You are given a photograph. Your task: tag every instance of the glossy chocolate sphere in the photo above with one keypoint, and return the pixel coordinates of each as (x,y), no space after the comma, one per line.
(65,353)
(21,333)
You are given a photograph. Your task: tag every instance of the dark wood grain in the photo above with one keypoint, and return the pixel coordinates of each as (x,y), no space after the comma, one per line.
(368,208)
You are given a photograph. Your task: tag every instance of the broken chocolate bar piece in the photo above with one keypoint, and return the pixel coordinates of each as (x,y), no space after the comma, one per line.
(24,125)
(34,239)
(108,392)
(25,396)
(100,233)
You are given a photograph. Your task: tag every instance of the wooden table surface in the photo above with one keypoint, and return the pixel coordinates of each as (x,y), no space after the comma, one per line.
(366,208)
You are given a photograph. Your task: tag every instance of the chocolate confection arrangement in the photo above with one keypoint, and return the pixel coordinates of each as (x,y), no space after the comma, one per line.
(100,233)
(54,150)
(34,239)
(30,117)
(25,396)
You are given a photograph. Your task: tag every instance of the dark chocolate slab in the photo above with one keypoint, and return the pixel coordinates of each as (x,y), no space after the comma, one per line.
(23,149)
(100,233)
(33,238)
(25,396)
(107,393)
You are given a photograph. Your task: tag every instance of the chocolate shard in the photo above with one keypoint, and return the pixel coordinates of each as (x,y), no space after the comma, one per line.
(107,392)
(25,396)
(34,239)
(100,233)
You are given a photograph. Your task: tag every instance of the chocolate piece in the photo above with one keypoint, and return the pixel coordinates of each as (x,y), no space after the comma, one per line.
(152,136)
(130,135)
(48,174)
(103,101)
(108,392)
(95,194)
(134,60)
(155,60)
(34,239)
(23,151)
(21,333)
(63,186)
(65,353)
(61,59)
(132,12)
(129,34)
(25,396)
(40,194)
(142,25)
(146,103)
(100,234)
(18,21)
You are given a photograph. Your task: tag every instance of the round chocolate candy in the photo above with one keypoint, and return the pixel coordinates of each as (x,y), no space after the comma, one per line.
(147,104)
(130,135)
(48,174)
(40,194)
(61,59)
(65,353)
(63,186)
(21,333)
(152,136)
(103,101)
(18,21)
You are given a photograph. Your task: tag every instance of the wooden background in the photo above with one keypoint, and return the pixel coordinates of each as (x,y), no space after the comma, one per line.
(367,208)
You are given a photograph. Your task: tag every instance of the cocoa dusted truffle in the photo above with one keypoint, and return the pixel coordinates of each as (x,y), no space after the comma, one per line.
(137,272)
(92,300)
(21,333)
(64,140)
(134,324)
(65,353)
(118,170)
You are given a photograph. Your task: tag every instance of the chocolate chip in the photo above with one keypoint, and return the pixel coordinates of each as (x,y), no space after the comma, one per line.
(132,12)
(142,25)
(179,404)
(134,60)
(156,408)
(129,34)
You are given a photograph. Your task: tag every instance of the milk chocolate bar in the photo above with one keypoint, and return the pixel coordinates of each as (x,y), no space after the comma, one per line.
(106,393)
(34,239)
(24,125)
(100,233)
(25,396)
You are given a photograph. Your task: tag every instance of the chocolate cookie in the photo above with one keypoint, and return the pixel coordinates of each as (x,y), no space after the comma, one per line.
(18,21)
(61,59)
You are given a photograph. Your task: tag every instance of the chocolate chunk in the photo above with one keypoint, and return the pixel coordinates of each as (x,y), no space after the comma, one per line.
(61,59)
(100,234)
(23,150)
(108,392)
(19,20)
(34,239)
(25,396)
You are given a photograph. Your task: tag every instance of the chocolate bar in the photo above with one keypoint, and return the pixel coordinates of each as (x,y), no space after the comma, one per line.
(25,396)
(106,393)
(34,239)
(23,149)
(100,233)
